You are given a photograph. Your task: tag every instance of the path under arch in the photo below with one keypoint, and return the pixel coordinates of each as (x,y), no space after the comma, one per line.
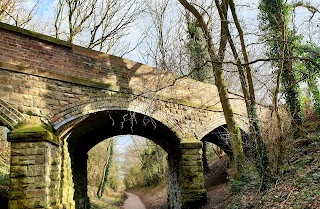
(133,202)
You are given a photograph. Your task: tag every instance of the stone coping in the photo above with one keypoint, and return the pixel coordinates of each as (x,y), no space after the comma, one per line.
(35,34)
(33,129)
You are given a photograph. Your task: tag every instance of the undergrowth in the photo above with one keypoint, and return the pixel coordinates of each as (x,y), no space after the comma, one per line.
(111,199)
(297,186)
(249,180)
(4,188)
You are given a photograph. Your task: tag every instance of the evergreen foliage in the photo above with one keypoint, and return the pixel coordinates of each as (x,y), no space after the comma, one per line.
(275,16)
(309,72)
(104,180)
(200,69)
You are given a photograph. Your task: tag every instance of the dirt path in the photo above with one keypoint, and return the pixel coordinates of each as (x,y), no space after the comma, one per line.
(216,183)
(133,202)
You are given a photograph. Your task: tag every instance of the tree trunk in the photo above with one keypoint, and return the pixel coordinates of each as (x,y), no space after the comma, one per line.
(259,150)
(237,160)
(107,165)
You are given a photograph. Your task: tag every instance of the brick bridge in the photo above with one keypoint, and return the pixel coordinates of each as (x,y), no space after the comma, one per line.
(59,100)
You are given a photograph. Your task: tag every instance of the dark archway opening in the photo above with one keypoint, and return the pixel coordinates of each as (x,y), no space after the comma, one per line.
(106,124)
(218,142)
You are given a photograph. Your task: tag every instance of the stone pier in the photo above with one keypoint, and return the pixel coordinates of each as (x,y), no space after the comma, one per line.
(186,180)
(34,167)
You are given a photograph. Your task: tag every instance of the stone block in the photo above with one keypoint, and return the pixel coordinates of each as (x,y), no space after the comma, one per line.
(54,189)
(35,193)
(36,170)
(18,171)
(191,162)
(55,175)
(193,198)
(33,203)
(39,102)
(191,186)
(55,159)
(21,160)
(16,194)
(189,152)
(39,159)
(191,157)
(23,183)
(36,181)
(190,170)
(191,145)
(27,151)
(22,145)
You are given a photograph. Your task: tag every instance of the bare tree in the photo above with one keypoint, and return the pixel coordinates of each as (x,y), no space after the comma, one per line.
(95,24)
(157,12)
(216,59)
(17,12)
(258,147)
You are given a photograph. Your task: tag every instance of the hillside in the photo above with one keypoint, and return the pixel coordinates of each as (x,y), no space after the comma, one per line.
(297,187)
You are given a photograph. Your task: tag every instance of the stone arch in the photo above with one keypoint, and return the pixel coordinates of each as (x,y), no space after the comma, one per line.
(219,137)
(60,118)
(218,134)
(102,125)
(9,116)
(216,130)
(219,120)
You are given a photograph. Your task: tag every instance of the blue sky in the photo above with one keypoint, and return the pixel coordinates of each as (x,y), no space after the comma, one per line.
(44,7)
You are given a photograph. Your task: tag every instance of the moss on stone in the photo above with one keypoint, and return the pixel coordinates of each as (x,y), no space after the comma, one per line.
(34,129)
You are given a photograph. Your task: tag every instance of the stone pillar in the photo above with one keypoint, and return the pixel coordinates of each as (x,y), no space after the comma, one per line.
(186,181)
(191,179)
(34,168)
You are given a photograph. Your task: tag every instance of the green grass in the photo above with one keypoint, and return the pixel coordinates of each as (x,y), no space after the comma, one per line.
(110,200)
